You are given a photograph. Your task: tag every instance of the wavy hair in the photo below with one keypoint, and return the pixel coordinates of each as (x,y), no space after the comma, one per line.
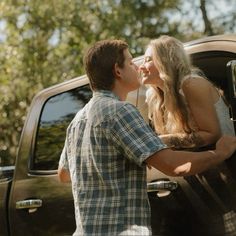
(168,110)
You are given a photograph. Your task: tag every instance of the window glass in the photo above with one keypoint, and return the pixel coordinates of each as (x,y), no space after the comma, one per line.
(57,113)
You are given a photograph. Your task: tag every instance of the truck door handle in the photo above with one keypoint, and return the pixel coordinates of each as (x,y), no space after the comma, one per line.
(162,185)
(29,204)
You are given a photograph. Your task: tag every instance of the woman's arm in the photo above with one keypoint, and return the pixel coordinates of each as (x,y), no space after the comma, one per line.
(182,140)
(200,96)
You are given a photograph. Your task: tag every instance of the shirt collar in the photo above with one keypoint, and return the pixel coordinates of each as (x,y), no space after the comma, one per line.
(106,93)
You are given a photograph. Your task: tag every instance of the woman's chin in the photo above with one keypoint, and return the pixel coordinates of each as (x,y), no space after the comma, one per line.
(144,80)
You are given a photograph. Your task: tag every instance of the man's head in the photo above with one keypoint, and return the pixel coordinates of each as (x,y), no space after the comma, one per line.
(100,62)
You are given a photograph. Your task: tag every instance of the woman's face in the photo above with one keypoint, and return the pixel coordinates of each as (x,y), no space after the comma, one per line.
(150,73)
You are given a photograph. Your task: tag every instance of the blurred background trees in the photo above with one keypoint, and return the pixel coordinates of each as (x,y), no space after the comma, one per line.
(42,42)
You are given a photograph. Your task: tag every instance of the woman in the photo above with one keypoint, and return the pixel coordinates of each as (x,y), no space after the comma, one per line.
(185,108)
(187,111)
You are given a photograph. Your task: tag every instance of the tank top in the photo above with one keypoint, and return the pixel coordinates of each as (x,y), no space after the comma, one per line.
(223,115)
(222,111)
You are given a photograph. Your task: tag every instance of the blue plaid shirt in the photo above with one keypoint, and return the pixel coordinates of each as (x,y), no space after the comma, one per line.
(106,146)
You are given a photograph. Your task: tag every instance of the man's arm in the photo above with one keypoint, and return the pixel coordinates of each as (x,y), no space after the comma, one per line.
(63,175)
(182,163)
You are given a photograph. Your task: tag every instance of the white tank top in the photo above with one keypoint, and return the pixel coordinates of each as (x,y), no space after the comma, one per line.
(222,110)
(226,124)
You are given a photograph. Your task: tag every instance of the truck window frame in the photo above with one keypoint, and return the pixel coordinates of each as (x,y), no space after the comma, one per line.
(41,164)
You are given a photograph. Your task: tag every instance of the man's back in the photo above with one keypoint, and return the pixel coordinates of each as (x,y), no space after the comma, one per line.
(106,167)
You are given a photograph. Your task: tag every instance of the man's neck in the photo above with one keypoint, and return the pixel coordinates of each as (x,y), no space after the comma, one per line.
(120,92)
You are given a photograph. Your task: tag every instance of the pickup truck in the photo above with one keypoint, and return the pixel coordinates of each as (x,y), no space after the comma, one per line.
(34,202)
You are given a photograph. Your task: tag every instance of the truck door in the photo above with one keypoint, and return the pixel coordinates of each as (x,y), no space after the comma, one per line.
(39,203)
(231,81)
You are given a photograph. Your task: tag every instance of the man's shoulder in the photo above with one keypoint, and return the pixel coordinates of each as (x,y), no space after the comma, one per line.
(79,116)
(116,106)
(109,108)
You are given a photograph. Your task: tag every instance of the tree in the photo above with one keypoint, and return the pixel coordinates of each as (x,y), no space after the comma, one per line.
(42,43)
(208,26)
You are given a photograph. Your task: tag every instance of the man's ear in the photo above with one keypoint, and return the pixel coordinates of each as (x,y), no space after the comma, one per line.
(116,71)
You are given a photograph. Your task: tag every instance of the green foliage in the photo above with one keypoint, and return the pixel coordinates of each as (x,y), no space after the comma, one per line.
(42,43)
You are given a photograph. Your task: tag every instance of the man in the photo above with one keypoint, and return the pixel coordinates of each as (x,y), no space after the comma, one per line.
(108,145)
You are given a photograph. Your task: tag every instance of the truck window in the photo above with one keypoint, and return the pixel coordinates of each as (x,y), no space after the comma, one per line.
(56,115)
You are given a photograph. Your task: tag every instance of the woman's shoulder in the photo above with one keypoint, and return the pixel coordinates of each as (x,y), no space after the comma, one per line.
(194,81)
(196,86)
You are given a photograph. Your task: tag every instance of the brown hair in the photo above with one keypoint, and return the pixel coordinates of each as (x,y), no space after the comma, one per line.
(100,61)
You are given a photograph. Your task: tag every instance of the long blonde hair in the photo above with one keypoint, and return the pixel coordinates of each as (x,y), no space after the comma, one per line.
(167,109)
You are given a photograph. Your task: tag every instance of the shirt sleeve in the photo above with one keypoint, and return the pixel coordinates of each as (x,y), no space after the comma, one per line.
(133,136)
(63,162)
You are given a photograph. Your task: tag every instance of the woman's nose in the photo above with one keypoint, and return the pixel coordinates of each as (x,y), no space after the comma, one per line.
(136,67)
(141,67)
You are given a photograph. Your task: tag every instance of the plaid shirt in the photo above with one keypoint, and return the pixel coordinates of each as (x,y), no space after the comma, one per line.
(106,146)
